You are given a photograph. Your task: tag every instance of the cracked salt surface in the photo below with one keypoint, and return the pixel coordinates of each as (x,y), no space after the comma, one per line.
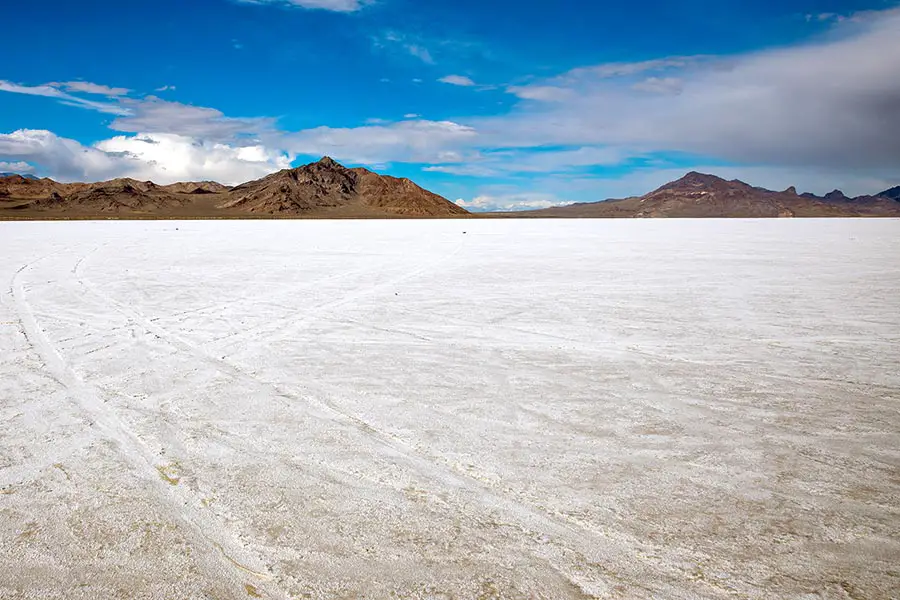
(448,409)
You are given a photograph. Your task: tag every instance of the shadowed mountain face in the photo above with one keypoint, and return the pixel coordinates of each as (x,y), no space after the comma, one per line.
(699,195)
(321,189)
(893,193)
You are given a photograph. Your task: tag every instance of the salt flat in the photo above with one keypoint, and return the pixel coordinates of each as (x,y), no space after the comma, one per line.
(450,409)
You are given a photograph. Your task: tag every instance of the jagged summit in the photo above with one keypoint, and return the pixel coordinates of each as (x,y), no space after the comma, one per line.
(836,195)
(327,161)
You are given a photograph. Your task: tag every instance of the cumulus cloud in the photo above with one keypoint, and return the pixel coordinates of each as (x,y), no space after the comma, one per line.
(16,167)
(332,5)
(460,80)
(510,202)
(163,158)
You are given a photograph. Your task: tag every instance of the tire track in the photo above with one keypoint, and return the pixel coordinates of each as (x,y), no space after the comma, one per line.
(310,316)
(141,461)
(594,546)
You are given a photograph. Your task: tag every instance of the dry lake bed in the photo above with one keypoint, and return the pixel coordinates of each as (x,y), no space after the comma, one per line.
(666,409)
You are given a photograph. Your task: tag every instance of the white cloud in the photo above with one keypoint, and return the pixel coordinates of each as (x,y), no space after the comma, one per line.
(411,116)
(87,87)
(623,69)
(163,158)
(332,5)
(156,115)
(542,93)
(406,141)
(833,103)
(460,80)
(16,167)
(50,90)
(165,88)
(510,202)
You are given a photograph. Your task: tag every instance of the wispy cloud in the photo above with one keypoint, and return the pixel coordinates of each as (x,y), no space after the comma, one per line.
(541,93)
(51,90)
(87,87)
(165,88)
(460,80)
(155,115)
(332,5)
(405,43)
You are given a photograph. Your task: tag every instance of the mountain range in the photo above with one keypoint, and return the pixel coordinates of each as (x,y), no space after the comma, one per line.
(698,195)
(327,189)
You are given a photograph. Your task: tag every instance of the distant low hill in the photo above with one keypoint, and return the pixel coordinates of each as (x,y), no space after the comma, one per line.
(698,195)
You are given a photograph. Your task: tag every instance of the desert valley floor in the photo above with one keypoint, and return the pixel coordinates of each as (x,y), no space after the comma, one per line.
(450,409)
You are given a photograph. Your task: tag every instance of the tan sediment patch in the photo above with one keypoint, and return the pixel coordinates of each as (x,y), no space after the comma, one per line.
(170,473)
(252,591)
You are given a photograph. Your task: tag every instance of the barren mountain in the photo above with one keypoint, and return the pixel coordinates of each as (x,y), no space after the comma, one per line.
(699,195)
(29,188)
(196,187)
(113,196)
(330,187)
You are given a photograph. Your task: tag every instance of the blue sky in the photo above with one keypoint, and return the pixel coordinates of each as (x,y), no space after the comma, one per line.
(501,104)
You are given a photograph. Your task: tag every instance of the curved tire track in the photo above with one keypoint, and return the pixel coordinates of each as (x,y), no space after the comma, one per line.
(594,546)
(141,461)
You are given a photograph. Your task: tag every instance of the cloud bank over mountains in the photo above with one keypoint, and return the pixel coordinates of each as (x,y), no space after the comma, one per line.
(831,106)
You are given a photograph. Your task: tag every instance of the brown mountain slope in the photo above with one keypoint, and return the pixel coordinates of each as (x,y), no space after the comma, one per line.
(697,195)
(328,187)
(114,196)
(16,186)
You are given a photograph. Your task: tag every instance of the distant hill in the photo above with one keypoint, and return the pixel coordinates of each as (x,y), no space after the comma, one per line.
(320,189)
(699,195)
(26,175)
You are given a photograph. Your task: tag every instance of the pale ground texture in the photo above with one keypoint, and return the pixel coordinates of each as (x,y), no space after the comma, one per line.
(529,409)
